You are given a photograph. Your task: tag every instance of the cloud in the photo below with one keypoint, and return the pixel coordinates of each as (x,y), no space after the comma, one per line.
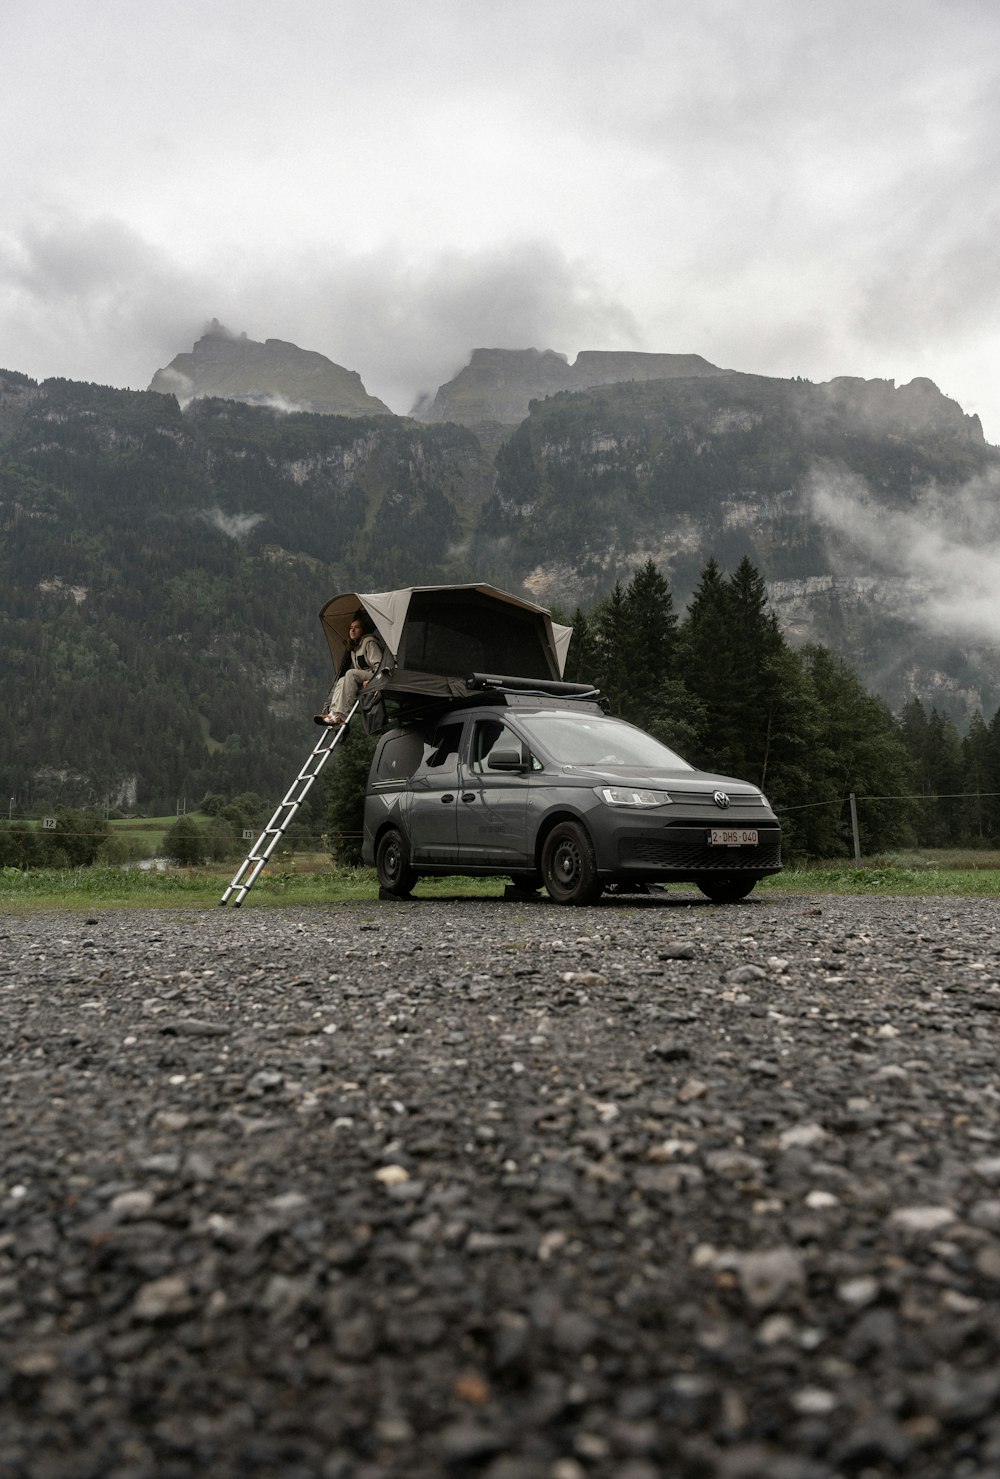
(234,526)
(408,324)
(946,546)
(93,300)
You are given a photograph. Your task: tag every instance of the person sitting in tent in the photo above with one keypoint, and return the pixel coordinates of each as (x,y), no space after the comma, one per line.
(362,661)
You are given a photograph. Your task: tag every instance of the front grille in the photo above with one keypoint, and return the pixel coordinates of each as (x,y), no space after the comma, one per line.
(704,801)
(691,854)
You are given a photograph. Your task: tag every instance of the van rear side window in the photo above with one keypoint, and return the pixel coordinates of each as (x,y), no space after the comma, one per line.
(400,756)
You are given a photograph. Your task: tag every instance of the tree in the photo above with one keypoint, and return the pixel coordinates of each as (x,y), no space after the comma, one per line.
(652,625)
(346,796)
(858,746)
(614,673)
(77,837)
(582,657)
(19,846)
(938,768)
(184,843)
(980,807)
(945,764)
(706,665)
(734,660)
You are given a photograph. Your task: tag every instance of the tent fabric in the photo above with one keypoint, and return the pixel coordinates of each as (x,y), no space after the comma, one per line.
(434,637)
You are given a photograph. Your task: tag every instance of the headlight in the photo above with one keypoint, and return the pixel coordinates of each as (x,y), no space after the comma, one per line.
(629,796)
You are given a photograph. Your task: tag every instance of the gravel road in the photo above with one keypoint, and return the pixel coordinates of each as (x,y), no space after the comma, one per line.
(495,1188)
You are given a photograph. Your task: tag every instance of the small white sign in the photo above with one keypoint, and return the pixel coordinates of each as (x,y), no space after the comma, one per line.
(49,824)
(247,835)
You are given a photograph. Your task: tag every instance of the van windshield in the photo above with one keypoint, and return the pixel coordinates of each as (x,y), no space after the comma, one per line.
(585,739)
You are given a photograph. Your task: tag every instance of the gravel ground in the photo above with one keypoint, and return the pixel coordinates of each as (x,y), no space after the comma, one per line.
(496,1188)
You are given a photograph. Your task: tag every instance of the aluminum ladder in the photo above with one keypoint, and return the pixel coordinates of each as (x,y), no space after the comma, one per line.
(249,869)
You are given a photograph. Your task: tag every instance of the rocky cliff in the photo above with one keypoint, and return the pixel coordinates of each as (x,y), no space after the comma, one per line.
(499,385)
(275,373)
(832,490)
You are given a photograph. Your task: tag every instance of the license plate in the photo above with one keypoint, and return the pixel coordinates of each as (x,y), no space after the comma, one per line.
(732,837)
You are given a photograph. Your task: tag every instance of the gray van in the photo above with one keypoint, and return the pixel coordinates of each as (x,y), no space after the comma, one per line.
(553,792)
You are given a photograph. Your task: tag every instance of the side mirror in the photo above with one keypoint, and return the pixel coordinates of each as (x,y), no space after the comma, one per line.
(506,760)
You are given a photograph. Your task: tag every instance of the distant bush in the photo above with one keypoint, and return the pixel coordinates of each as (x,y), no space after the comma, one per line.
(18,846)
(75,841)
(121,848)
(185,843)
(220,839)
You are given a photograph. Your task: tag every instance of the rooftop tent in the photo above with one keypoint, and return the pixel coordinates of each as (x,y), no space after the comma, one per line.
(436,636)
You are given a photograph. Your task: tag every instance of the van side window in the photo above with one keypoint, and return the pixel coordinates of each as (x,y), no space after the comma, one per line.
(443,752)
(400,756)
(489,734)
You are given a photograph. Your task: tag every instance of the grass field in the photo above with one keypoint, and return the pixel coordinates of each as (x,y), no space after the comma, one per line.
(310,879)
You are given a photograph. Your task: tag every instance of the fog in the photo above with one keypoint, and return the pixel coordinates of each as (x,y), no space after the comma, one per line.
(946,544)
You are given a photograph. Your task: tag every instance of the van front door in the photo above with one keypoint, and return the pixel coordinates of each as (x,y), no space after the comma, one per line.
(493,804)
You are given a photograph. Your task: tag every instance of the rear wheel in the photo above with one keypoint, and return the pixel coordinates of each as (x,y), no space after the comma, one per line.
(569,869)
(392,863)
(729,888)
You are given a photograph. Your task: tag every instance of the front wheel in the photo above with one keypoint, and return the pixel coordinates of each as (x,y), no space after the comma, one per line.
(569,869)
(727,889)
(392,863)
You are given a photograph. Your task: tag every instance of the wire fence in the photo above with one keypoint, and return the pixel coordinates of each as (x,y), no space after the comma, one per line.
(908,796)
(303,840)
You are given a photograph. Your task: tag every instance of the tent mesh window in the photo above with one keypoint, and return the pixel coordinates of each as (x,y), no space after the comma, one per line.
(464,632)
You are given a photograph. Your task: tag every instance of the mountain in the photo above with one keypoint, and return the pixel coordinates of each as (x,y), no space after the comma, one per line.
(274,373)
(498,385)
(162,567)
(163,570)
(592,484)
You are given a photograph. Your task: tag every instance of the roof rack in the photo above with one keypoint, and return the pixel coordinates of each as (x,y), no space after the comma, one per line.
(544,687)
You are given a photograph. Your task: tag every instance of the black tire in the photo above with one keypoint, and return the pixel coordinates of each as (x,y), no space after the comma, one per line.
(569,869)
(729,888)
(392,863)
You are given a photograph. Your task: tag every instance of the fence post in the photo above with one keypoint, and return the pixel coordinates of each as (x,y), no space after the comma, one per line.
(854,829)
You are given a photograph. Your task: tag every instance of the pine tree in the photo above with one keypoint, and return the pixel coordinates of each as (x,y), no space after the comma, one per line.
(857,746)
(979,808)
(613,648)
(706,665)
(582,661)
(945,764)
(648,608)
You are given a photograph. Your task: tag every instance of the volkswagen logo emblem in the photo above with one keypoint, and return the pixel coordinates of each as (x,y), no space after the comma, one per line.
(721,799)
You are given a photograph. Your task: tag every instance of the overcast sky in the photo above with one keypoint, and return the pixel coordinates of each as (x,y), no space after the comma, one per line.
(784,187)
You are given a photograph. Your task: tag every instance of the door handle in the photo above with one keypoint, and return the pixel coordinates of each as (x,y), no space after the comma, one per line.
(468,795)
(448,797)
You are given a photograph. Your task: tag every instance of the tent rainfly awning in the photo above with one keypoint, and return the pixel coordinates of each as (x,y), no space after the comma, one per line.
(435,636)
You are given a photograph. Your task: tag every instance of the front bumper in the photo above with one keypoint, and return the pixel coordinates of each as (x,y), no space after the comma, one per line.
(632,847)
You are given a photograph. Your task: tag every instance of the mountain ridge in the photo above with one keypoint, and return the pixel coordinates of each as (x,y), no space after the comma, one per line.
(273,373)
(498,385)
